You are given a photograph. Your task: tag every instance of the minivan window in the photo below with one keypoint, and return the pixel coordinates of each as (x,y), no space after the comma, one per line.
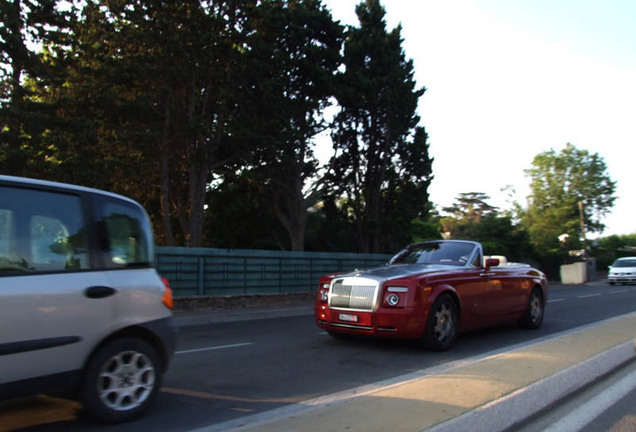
(6,221)
(129,243)
(41,231)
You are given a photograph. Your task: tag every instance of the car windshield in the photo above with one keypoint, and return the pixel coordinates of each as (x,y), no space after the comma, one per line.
(625,263)
(447,253)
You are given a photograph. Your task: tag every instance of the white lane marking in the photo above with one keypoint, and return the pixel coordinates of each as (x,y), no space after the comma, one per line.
(586,413)
(618,292)
(589,295)
(213,348)
(555,300)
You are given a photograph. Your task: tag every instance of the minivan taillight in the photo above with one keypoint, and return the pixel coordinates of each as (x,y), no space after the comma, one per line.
(167,298)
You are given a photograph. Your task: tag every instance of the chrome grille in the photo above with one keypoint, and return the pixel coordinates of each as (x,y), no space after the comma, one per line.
(349,295)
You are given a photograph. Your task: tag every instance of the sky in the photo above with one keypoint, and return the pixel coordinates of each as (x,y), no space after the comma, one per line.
(508,79)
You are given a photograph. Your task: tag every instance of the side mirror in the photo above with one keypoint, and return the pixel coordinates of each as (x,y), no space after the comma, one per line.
(491,262)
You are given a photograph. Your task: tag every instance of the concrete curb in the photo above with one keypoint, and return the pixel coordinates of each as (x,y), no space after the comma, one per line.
(515,408)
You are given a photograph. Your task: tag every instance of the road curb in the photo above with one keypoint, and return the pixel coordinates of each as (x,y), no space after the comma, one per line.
(516,408)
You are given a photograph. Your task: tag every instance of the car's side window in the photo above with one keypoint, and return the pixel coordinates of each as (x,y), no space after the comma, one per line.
(477,261)
(41,231)
(128,242)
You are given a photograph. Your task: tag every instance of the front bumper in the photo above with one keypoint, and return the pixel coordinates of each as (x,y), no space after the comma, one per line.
(402,323)
(622,278)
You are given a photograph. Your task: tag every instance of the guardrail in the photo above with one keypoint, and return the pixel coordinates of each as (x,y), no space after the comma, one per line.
(223,272)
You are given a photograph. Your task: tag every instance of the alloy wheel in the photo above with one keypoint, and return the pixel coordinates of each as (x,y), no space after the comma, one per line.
(126,380)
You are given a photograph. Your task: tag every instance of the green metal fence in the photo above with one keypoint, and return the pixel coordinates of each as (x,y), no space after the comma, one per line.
(222,272)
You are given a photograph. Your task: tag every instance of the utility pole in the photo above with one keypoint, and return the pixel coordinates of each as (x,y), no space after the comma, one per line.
(583,234)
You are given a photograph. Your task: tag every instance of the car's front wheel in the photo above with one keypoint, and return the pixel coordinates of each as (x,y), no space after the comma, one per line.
(533,317)
(121,380)
(442,324)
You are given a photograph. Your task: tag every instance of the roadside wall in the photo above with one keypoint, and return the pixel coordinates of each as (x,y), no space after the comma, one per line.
(231,272)
(579,272)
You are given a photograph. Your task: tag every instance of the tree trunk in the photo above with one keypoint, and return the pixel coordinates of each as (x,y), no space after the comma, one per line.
(165,176)
(198,183)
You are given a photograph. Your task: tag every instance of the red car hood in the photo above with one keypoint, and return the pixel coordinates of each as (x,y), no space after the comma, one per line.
(396,271)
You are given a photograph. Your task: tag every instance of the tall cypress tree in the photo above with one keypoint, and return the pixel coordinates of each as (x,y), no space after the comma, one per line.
(299,52)
(382,167)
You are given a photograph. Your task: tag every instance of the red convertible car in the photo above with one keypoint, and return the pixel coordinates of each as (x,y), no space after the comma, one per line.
(432,291)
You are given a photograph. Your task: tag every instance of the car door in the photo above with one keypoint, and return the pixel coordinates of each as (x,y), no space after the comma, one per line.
(480,291)
(49,324)
(505,294)
(493,293)
(55,306)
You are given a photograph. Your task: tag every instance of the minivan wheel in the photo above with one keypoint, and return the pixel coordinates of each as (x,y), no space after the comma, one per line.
(121,381)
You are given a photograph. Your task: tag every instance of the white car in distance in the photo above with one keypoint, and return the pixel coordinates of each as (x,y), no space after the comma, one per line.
(623,270)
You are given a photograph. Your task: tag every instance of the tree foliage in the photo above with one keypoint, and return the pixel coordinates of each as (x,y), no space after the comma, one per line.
(298,49)
(207,113)
(382,166)
(469,207)
(25,119)
(157,85)
(247,219)
(607,249)
(571,192)
(190,58)
(471,217)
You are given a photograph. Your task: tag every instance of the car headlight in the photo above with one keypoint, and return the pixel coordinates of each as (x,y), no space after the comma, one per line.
(393,299)
(396,296)
(323,291)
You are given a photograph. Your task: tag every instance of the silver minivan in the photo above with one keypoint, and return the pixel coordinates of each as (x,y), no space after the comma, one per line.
(82,308)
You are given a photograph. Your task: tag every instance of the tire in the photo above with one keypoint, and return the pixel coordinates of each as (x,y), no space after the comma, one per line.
(611,283)
(442,324)
(533,317)
(121,380)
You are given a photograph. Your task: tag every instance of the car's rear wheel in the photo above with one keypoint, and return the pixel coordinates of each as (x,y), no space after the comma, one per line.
(442,324)
(121,380)
(533,317)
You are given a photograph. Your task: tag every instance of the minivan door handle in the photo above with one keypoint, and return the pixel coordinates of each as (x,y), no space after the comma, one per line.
(96,292)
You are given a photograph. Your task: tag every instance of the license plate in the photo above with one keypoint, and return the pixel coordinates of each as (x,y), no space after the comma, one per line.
(349,317)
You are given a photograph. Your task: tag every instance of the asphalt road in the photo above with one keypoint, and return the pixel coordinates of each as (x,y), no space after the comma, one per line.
(229,370)
(621,417)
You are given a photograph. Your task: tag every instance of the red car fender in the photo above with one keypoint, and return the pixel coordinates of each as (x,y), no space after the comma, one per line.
(438,290)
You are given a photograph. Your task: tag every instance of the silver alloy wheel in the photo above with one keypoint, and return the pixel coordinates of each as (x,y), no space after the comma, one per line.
(126,380)
(536,310)
(444,324)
